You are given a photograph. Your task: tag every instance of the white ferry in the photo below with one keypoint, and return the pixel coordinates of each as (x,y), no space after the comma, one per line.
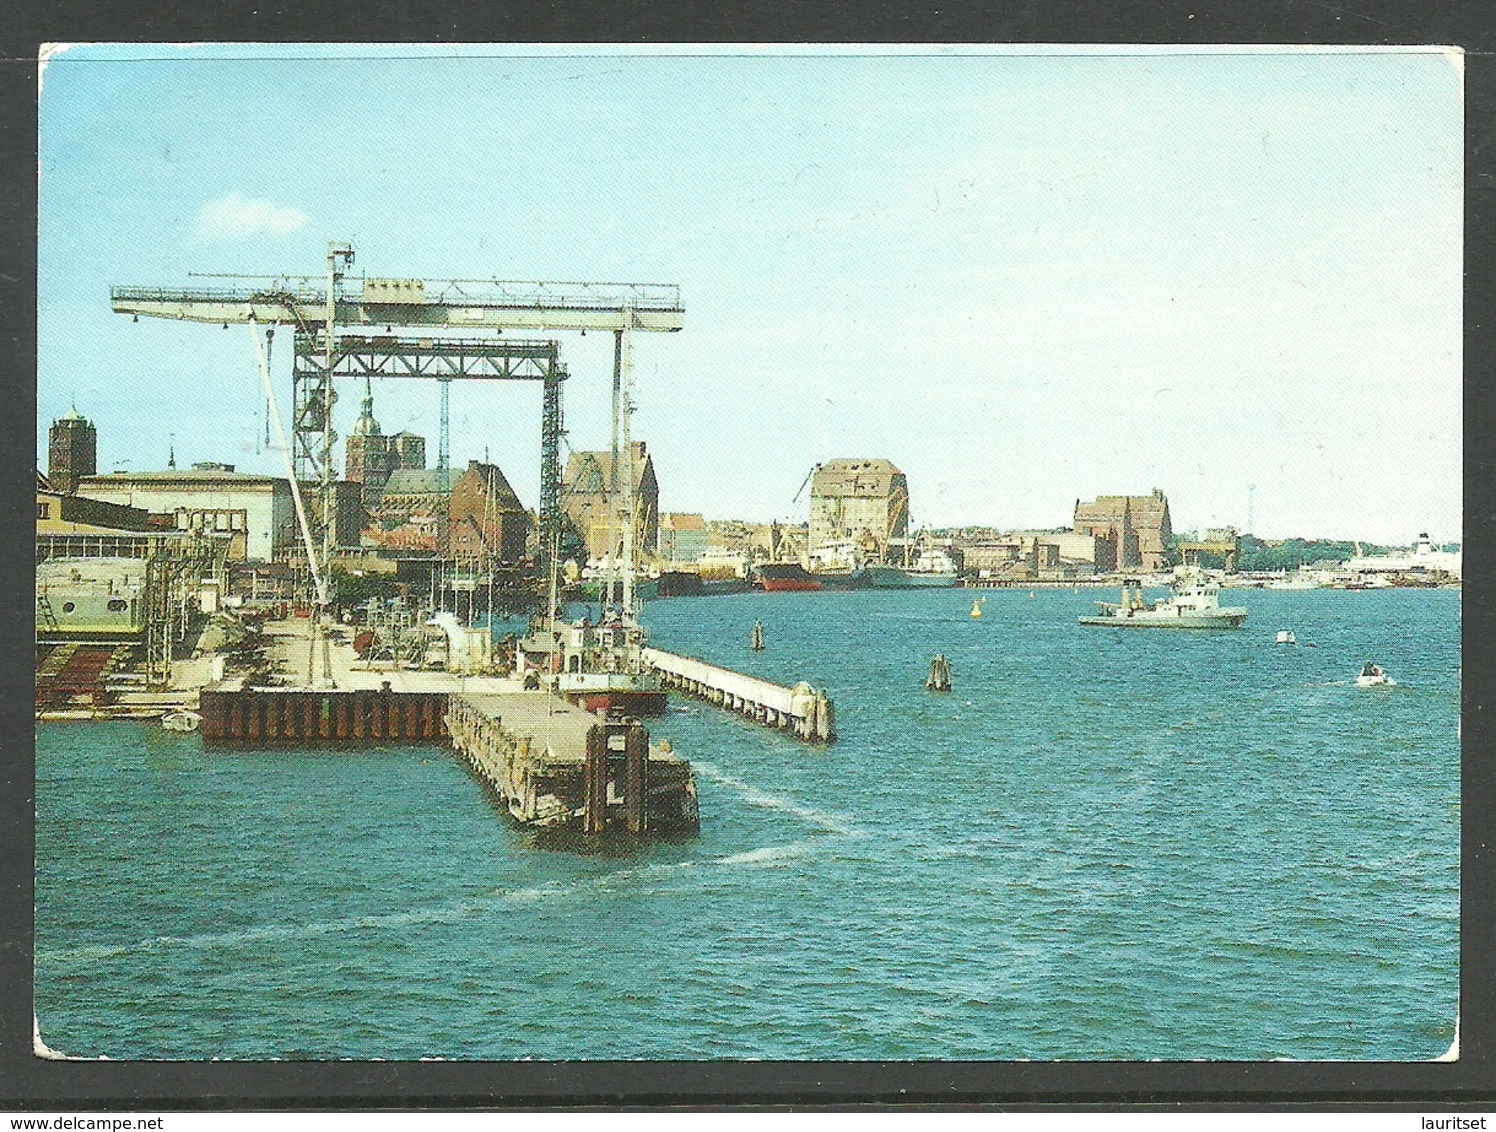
(1194,603)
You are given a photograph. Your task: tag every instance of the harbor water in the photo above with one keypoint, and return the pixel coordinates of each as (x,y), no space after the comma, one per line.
(1098,845)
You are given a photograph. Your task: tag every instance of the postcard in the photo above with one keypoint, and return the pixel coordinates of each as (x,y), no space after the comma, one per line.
(732,554)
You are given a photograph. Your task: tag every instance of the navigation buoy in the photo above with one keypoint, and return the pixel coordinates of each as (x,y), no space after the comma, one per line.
(939,679)
(756,638)
(976,609)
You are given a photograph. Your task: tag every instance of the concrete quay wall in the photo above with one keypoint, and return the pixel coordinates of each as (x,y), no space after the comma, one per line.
(801,710)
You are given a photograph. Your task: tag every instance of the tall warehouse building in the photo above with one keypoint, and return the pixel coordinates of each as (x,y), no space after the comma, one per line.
(862,501)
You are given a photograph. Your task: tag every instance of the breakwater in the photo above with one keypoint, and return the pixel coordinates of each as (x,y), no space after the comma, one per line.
(805,712)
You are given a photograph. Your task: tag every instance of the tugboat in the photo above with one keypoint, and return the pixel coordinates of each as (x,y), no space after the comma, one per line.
(1194,603)
(603,670)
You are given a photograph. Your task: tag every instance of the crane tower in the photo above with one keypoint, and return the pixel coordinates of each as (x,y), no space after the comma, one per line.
(447,330)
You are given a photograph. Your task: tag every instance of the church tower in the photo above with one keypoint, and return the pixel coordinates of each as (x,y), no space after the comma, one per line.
(366,453)
(72,451)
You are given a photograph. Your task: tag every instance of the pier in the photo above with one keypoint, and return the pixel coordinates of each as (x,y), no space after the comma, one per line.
(802,711)
(552,763)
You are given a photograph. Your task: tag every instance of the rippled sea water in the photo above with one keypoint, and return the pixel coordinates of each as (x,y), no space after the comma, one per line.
(1102,844)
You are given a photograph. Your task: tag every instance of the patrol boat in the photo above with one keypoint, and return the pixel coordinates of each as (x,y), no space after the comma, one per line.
(1193,603)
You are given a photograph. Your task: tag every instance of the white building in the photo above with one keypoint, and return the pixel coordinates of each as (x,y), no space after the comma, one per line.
(209,498)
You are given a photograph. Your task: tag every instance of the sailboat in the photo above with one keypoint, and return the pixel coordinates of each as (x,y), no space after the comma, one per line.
(602,665)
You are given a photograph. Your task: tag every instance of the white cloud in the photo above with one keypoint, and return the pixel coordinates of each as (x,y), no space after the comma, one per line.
(235,216)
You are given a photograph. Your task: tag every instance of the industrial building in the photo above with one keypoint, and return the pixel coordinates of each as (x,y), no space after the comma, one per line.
(209,498)
(861,501)
(1138,524)
(74,526)
(60,513)
(586,492)
(1036,554)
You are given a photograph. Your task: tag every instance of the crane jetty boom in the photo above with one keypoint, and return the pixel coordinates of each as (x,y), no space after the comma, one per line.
(451,304)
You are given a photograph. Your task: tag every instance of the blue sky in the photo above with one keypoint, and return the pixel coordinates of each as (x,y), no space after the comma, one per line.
(1024,277)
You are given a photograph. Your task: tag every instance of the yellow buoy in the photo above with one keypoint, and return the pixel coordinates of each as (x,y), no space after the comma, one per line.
(976,608)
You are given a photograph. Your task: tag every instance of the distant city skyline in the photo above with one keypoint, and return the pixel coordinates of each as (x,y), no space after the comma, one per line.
(1024,277)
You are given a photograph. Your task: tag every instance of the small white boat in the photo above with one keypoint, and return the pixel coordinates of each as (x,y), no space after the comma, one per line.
(181,721)
(1285,637)
(1373,677)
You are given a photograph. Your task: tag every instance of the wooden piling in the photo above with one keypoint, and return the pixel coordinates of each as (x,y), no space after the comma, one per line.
(636,780)
(595,780)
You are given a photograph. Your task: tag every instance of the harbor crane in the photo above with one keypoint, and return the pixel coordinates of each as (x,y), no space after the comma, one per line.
(336,323)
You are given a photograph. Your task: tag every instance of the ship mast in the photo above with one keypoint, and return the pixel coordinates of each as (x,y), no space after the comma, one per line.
(625,411)
(610,567)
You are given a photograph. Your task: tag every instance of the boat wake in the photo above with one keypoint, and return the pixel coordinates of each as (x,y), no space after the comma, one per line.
(452,913)
(829,823)
(459,910)
(768,855)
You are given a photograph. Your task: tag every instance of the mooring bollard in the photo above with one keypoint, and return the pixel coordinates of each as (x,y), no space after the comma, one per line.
(939,678)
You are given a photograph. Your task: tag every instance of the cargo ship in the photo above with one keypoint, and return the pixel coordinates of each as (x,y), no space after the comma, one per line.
(839,566)
(931,567)
(774,576)
(687,583)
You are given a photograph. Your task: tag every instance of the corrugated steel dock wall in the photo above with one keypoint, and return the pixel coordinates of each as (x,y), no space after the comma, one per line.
(273,715)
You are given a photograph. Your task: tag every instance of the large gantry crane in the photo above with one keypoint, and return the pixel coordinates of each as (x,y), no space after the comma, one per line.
(336,325)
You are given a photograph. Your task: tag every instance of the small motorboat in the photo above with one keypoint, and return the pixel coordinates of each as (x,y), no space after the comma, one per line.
(1285,637)
(181,721)
(1373,677)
